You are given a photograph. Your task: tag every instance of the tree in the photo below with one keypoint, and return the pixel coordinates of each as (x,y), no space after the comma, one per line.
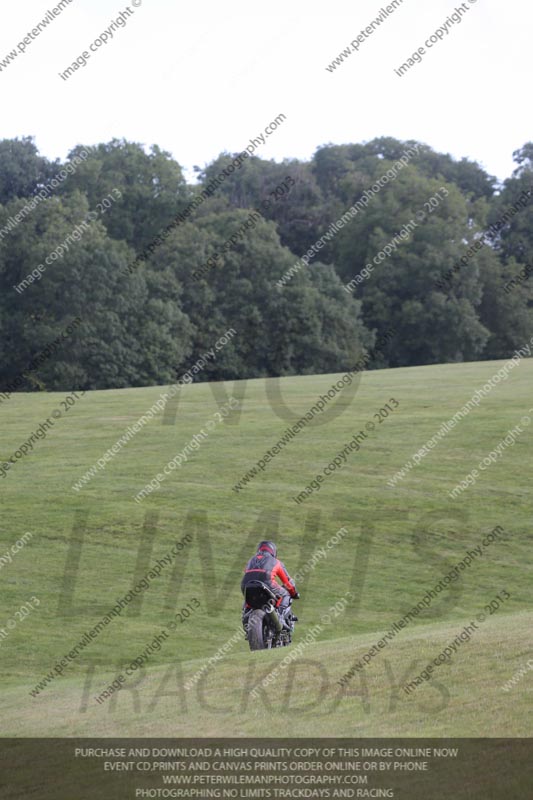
(452,284)
(507,304)
(129,334)
(431,325)
(22,170)
(511,215)
(312,326)
(286,193)
(152,187)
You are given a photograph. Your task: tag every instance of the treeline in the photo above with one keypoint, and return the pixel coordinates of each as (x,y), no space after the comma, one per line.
(154,270)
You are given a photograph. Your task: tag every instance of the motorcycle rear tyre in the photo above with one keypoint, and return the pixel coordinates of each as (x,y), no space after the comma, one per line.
(256,629)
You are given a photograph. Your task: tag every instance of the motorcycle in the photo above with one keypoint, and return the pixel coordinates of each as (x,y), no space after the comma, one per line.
(265,625)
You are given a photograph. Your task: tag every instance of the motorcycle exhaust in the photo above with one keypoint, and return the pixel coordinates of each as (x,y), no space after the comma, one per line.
(272,614)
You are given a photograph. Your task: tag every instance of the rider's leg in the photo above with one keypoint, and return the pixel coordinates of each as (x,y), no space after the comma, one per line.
(284,606)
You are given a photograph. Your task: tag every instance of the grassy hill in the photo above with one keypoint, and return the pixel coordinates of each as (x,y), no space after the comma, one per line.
(90,545)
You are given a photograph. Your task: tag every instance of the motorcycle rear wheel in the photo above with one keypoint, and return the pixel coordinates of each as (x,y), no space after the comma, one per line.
(258,631)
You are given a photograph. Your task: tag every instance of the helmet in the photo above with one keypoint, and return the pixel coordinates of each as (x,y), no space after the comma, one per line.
(269,546)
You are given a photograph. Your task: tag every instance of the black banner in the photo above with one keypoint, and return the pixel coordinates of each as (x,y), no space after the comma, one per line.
(406,769)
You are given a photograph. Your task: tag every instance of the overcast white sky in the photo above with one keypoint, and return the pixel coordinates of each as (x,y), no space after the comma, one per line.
(198,78)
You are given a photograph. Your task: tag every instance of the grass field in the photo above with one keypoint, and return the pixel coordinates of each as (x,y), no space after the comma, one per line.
(88,545)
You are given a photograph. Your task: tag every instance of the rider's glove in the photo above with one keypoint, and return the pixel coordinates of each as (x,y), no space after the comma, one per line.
(296,596)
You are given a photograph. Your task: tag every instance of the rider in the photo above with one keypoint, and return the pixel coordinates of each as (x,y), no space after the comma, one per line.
(265,566)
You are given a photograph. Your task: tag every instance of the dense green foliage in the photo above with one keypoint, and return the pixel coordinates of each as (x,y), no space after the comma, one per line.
(147,323)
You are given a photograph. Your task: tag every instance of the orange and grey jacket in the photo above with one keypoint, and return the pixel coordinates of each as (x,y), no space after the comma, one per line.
(265,567)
